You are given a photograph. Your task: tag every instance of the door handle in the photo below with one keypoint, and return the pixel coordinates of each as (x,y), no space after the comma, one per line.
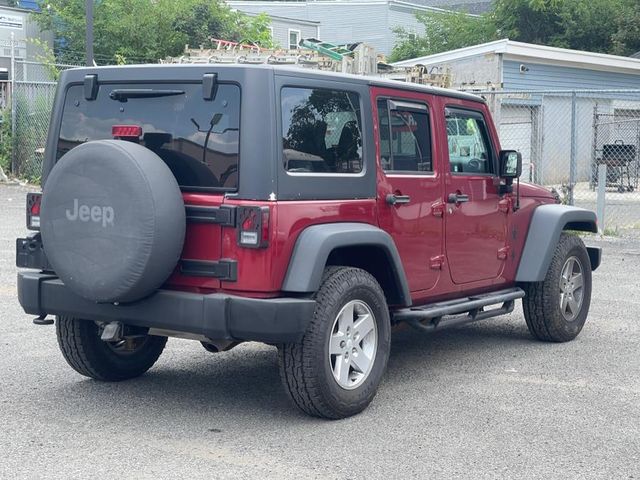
(393,199)
(457,198)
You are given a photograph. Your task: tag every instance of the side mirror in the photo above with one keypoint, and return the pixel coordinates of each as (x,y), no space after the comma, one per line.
(510,164)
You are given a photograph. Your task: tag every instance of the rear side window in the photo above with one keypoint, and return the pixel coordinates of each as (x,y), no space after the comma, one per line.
(197,139)
(322,131)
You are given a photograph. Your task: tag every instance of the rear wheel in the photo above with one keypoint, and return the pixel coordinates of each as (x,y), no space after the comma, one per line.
(335,370)
(556,309)
(80,344)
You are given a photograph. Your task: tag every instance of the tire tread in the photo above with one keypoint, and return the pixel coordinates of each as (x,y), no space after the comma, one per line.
(541,312)
(79,346)
(297,370)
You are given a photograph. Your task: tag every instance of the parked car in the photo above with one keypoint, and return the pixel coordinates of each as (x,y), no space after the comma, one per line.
(221,204)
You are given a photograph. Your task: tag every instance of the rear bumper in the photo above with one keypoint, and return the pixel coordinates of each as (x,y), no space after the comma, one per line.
(213,316)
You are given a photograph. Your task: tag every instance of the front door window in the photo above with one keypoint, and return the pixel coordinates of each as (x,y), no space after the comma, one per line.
(467,138)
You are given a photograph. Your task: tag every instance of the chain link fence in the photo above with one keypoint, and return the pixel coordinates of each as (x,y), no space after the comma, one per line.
(33,91)
(584,144)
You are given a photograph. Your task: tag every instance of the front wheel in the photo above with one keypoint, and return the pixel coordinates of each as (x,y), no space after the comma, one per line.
(80,344)
(556,309)
(335,370)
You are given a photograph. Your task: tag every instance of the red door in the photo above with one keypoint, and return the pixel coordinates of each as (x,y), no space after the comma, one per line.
(476,218)
(410,183)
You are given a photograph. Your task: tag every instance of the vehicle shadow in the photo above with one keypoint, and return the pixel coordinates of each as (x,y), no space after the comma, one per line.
(192,385)
(440,347)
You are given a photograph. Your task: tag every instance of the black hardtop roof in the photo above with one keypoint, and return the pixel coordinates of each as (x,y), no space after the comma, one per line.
(194,71)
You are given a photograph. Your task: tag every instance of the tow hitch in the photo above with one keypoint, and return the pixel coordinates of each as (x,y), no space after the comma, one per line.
(43,320)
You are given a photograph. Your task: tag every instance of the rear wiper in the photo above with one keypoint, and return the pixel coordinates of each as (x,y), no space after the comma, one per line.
(123,94)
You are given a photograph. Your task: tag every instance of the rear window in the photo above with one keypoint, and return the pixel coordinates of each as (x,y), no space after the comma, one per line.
(197,139)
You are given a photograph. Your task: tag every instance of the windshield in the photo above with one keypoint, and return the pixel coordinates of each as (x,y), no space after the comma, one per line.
(197,139)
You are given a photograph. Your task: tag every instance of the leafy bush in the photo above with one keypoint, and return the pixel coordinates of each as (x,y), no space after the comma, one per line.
(5,139)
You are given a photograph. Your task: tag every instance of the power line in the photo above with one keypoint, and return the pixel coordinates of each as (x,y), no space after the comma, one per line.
(80,55)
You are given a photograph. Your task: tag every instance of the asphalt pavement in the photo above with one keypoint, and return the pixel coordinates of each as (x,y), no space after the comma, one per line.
(481,401)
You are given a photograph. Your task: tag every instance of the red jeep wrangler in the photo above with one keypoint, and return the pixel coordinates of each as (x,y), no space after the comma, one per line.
(302,209)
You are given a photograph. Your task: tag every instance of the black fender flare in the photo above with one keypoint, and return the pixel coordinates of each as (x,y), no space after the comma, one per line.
(545,228)
(315,244)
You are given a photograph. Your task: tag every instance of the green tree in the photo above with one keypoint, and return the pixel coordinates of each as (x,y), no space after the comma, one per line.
(5,139)
(607,26)
(444,31)
(206,19)
(47,57)
(577,24)
(626,40)
(255,30)
(130,31)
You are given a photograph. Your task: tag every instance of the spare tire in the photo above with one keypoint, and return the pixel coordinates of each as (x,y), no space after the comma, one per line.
(112,221)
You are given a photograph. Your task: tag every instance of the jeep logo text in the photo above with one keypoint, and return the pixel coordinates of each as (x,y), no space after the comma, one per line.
(94,213)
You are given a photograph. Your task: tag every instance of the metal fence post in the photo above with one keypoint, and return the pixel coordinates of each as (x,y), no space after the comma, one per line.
(13,104)
(573,166)
(600,202)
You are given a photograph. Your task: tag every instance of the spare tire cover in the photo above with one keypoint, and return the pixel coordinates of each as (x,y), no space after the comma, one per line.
(112,221)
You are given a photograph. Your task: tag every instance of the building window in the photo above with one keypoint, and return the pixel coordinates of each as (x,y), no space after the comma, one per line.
(294,39)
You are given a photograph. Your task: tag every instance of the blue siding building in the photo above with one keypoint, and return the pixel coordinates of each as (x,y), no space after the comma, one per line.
(508,65)
(543,77)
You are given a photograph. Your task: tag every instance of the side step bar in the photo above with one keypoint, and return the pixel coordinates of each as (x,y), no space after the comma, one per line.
(431,317)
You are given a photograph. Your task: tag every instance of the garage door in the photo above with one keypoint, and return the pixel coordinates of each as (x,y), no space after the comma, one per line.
(516,133)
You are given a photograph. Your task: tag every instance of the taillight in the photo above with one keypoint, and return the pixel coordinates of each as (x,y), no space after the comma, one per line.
(126,131)
(33,210)
(253,227)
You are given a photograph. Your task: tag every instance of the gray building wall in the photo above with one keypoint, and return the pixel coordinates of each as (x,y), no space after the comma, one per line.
(492,69)
(345,22)
(470,6)
(477,72)
(281,26)
(19,23)
(399,16)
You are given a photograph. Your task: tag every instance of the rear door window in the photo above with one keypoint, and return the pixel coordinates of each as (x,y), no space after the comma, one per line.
(405,137)
(197,139)
(322,131)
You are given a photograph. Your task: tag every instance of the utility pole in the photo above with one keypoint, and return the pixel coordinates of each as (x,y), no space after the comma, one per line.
(89,40)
